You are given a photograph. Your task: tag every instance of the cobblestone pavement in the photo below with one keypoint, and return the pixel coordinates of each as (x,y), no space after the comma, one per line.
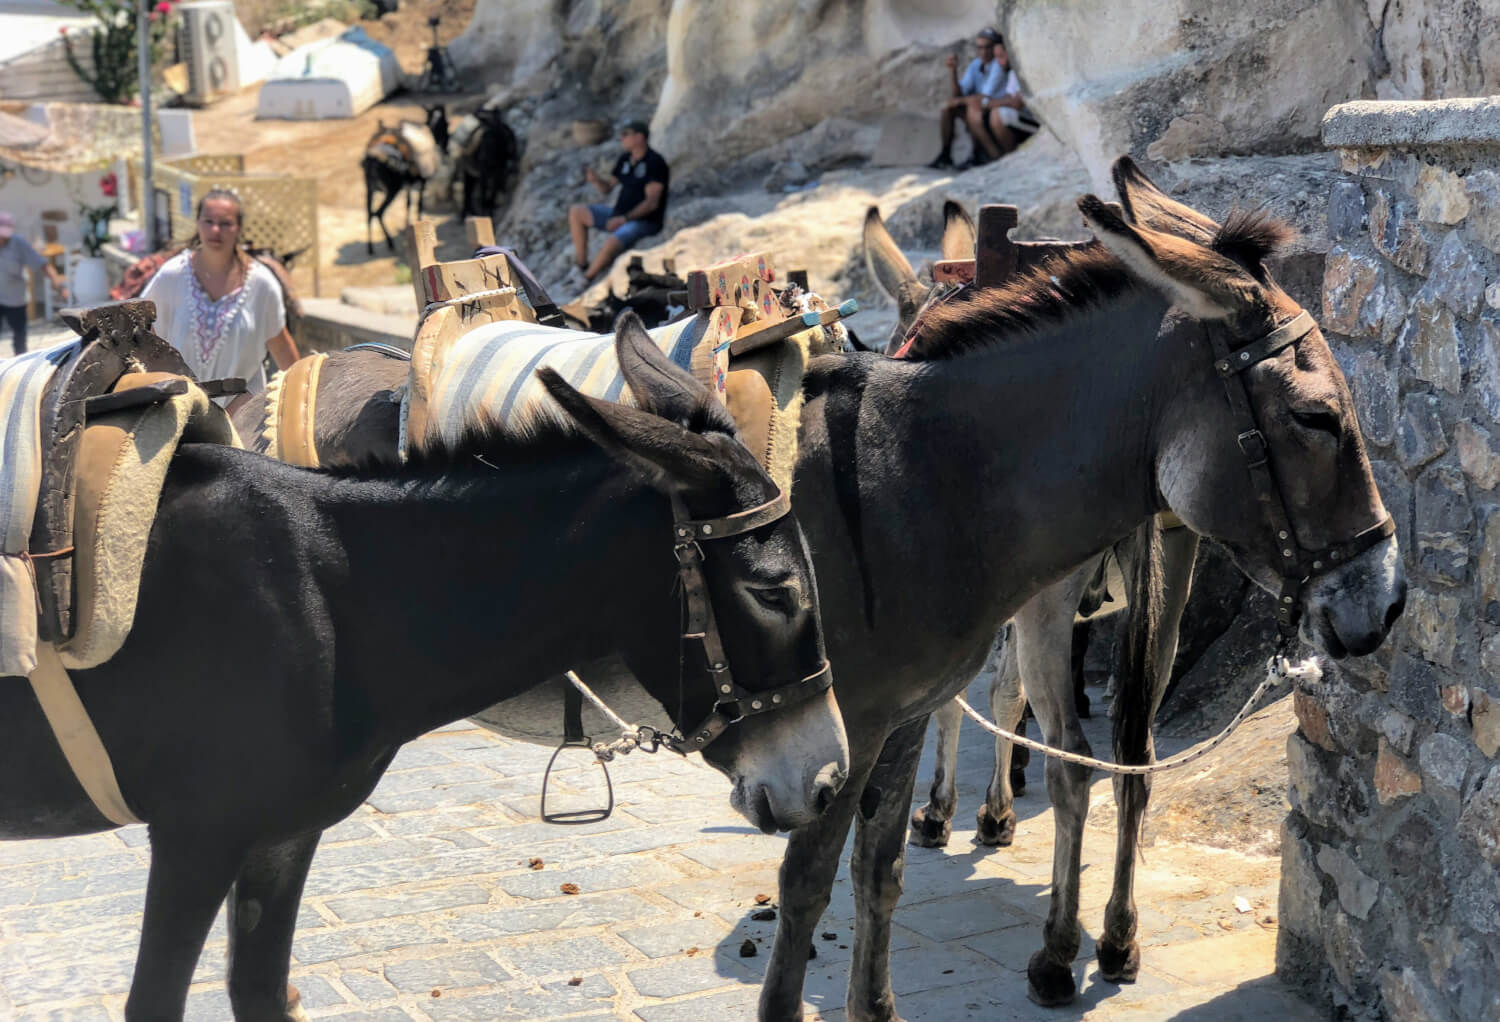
(424,907)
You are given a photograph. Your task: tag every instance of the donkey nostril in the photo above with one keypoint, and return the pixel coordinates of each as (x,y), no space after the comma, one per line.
(824,799)
(1395,611)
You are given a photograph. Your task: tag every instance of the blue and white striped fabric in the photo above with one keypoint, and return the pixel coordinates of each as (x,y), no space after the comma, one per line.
(23,381)
(489,374)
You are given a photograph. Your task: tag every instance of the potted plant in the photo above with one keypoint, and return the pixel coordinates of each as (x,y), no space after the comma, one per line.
(90,284)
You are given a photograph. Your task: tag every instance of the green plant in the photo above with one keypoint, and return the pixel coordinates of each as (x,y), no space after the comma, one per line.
(403,273)
(113,42)
(96,225)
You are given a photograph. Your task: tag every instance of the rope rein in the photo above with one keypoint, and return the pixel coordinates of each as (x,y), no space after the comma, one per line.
(1278,669)
(632,736)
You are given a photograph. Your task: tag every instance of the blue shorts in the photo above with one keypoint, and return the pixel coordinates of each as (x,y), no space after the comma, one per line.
(628,233)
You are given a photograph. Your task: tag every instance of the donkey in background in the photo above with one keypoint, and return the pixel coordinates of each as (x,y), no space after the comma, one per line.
(1040,650)
(401,159)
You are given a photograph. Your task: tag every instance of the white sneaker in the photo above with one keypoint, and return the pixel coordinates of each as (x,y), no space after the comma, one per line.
(575,282)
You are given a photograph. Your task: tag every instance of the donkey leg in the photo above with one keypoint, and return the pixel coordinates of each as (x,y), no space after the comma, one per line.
(806,883)
(186,884)
(263,908)
(1044,629)
(877,870)
(1119,947)
(997,816)
(932,824)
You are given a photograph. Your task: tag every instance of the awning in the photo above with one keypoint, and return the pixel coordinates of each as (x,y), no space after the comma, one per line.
(78,137)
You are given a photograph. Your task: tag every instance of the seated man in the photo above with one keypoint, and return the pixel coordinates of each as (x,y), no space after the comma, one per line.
(1009,121)
(983,78)
(638,212)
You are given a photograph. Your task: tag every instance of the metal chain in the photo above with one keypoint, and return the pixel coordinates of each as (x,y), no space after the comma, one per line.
(632,736)
(1278,669)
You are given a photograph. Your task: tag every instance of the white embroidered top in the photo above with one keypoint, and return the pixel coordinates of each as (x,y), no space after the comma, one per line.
(221,338)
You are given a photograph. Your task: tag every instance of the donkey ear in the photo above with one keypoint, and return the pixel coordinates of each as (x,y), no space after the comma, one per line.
(884,259)
(1203,282)
(670,458)
(661,386)
(959,232)
(1148,206)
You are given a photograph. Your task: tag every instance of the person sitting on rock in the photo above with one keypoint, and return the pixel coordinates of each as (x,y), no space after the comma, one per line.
(638,211)
(983,78)
(1007,118)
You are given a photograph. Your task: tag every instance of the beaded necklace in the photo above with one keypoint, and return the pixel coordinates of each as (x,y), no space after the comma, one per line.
(211,318)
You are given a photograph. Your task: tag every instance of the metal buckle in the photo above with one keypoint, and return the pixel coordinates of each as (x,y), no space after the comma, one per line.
(1254,447)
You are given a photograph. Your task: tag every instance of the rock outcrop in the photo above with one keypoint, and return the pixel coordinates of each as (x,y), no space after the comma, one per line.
(1191,77)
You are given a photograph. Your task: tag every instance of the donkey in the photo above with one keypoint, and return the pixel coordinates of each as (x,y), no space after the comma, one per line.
(1079,401)
(485,161)
(1054,659)
(1117,413)
(396,159)
(307,724)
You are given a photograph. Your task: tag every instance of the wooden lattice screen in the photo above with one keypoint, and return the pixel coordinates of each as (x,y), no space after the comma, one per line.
(210,163)
(281,213)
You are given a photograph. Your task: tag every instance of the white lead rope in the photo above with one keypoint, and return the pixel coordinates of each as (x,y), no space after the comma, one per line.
(1278,669)
(630,734)
(465,299)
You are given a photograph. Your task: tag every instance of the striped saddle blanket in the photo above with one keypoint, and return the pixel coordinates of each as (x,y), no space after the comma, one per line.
(23,383)
(488,375)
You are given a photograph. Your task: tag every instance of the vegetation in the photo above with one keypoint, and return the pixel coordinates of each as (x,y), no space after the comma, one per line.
(114,75)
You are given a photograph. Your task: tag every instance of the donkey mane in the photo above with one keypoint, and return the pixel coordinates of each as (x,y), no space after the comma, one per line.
(1249,237)
(1044,296)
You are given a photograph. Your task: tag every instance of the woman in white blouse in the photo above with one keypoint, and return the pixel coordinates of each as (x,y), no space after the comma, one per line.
(222,309)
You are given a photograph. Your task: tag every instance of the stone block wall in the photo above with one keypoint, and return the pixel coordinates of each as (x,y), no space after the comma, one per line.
(1390,890)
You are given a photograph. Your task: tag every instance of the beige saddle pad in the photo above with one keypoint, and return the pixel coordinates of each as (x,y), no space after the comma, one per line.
(121,466)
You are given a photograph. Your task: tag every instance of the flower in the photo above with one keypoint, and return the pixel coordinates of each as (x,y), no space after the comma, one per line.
(164,7)
(109,185)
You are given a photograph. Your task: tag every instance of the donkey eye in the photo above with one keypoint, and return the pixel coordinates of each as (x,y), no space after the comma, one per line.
(779,598)
(1319,419)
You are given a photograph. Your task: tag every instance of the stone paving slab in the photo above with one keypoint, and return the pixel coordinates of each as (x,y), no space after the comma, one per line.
(423,907)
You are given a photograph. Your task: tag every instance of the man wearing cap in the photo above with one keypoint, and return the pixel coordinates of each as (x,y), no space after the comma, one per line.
(982,80)
(638,211)
(16,255)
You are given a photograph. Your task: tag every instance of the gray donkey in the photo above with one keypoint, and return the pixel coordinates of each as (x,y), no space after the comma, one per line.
(1045,627)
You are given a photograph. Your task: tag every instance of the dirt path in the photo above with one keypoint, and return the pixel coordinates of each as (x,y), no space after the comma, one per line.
(330,151)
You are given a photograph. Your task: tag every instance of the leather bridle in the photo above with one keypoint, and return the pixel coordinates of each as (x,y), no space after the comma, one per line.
(732,703)
(1295,563)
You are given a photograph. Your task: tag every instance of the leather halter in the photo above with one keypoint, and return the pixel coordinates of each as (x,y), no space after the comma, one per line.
(732,703)
(941,295)
(1296,563)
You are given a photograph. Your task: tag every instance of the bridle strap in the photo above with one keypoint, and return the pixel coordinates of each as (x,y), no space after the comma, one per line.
(1288,333)
(1296,563)
(731,702)
(685,528)
(942,297)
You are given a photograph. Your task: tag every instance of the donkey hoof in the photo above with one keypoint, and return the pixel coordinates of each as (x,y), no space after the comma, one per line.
(928,829)
(995,833)
(294,1012)
(1048,983)
(1119,964)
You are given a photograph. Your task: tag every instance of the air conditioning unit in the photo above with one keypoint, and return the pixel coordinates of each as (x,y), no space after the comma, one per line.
(207,43)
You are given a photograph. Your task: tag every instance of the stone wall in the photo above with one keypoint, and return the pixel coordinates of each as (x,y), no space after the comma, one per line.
(1390,896)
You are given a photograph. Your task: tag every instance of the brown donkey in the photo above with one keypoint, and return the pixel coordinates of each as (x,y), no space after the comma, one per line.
(1047,620)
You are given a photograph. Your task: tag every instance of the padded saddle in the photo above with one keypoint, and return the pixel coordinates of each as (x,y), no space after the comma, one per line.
(116,340)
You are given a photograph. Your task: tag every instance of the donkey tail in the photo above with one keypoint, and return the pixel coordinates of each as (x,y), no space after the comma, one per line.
(1141,674)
